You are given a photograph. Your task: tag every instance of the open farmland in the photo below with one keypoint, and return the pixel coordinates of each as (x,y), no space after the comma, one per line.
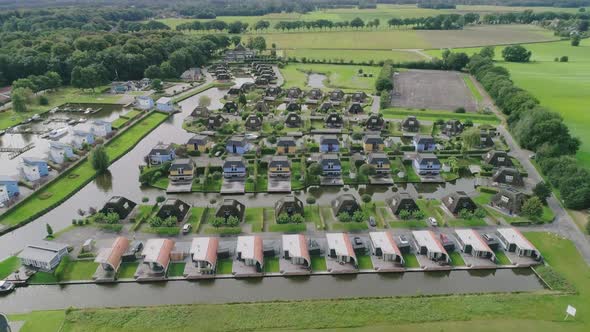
(355,55)
(432,89)
(560,86)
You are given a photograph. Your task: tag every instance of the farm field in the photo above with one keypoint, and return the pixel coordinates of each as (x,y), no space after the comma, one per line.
(409,39)
(561,87)
(339,76)
(355,55)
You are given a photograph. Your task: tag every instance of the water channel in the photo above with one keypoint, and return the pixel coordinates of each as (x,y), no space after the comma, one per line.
(269,289)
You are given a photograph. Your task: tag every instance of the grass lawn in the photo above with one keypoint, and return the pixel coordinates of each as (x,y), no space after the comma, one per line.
(41,321)
(410,261)
(408,224)
(348,226)
(271,265)
(311,213)
(472,88)
(176,269)
(255,217)
(8,266)
(456,259)
(72,180)
(344,77)
(224,266)
(79,270)
(318,263)
(364,262)
(195,218)
(42,278)
(355,55)
(433,115)
(501,258)
(466,222)
(127,270)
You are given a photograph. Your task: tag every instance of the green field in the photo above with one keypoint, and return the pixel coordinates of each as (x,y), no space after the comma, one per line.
(345,77)
(561,87)
(74,179)
(433,115)
(354,55)
(8,266)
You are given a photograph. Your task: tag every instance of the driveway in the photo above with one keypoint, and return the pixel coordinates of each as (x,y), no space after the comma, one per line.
(233,186)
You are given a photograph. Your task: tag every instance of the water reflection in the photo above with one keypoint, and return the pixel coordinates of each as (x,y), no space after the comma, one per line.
(104,181)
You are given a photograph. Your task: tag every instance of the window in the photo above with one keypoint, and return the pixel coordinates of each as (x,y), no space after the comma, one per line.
(509,178)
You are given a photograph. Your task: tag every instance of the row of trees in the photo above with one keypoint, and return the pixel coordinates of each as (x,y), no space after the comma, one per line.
(536,129)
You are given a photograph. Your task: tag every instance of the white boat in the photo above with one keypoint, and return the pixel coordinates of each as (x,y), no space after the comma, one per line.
(87,112)
(82,120)
(57,133)
(6,286)
(36,117)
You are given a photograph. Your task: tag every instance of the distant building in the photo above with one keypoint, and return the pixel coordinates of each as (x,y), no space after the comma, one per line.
(485,139)
(334,120)
(286,145)
(199,143)
(375,122)
(453,128)
(411,124)
(329,143)
(497,159)
(336,96)
(293,107)
(144,102)
(507,175)
(340,248)
(173,208)
(249,250)
(279,166)
(345,203)
(295,249)
(234,167)
(458,201)
(293,120)
(429,245)
(200,112)
(509,200)
(182,170)
(427,164)
(373,143)
(204,254)
(230,107)
(380,162)
(261,107)
(253,122)
(383,245)
(157,254)
(58,152)
(294,93)
(10,186)
(512,240)
(101,128)
(472,243)
(119,205)
(34,169)
(215,122)
(162,153)
(231,208)
(424,143)
(331,166)
(325,107)
(359,97)
(237,145)
(272,93)
(402,201)
(239,54)
(289,205)
(314,95)
(355,108)
(165,104)
(82,138)
(44,256)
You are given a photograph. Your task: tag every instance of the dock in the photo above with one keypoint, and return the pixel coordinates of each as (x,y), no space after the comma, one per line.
(15,152)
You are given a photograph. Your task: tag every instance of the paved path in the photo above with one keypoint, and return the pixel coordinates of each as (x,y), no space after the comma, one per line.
(563,223)
(376,105)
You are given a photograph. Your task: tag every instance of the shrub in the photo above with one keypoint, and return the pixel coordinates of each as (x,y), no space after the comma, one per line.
(160,199)
(145,199)
(418,215)
(310,200)
(465,214)
(344,217)
(366,198)
(405,214)
(479,213)
(564,58)
(460,110)
(358,216)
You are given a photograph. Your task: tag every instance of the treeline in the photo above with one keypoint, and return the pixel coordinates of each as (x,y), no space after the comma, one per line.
(528,16)
(536,129)
(88,60)
(512,3)
(440,4)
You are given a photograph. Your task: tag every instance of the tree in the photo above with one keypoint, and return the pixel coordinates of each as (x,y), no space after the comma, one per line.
(152,72)
(576,40)
(357,23)
(88,77)
(261,25)
(383,83)
(257,43)
(99,159)
(471,138)
(516,53)
(488,52)
(405,214)
(455,61)
(242,99)
(366,198)
(314,169)
(367,170)
(532,208)
(542,191)
(588,226)
(157,85)
(49,230)
(236,40)
(20,98)
(204,101)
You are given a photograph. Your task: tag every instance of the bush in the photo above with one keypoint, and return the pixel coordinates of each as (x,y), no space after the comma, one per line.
(465,214)
(231,221)
(479,213)
(405,214)
(344,217)
(418,215)
(160,199)
(366,198)
(310,200)
(564,59)
(287,219)
(145,199)
(358,216)
(460,110)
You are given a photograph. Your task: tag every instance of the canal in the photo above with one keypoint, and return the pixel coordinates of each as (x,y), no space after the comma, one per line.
(269,289)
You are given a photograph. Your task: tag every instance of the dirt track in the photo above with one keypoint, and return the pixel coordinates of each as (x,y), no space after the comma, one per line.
(432,89)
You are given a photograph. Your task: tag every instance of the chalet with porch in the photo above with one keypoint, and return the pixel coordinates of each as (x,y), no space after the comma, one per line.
(458,201)
(216,121)
(345,203)
(452,128)
(279,167)
(373,143)
(293,107)
(411,124)
(289,205)
(497,158)
(253,122)
(230,107)
(337,96)
(355,108)
(231,208)
(286,145)
(119,205)
(509,200)
(200,112)
(508,175)
(234,167)
(325,107)
(331,166)
(374,122)
(272,93)
(334,120)
(329,143)
(261,107)
(162,153)
(293,120)
(381,163)
(174,208)
(427,164)
(402,201)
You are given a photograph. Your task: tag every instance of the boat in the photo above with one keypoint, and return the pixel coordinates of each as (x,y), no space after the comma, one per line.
(6,287)
(57,133)
(72,122)
(82,120)
(2,132)
(87,111)
(36,117)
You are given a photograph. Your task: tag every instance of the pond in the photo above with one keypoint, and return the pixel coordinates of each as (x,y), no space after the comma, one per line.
(315,80)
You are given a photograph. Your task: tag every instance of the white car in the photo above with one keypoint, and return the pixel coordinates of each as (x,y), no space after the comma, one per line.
(432,221)
(186,228)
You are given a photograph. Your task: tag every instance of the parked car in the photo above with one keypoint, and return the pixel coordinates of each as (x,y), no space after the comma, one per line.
(403,240)
(432,221)
(372,221)
(187,228)
(6,286)
(488,237)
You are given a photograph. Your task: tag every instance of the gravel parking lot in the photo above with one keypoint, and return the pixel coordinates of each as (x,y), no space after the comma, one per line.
(432,89)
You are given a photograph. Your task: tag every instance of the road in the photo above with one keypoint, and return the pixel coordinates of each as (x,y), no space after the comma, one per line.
(563,223)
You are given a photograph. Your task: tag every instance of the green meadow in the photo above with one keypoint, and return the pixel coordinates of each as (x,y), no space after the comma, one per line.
(344,77)
(346,56)
(560,86)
